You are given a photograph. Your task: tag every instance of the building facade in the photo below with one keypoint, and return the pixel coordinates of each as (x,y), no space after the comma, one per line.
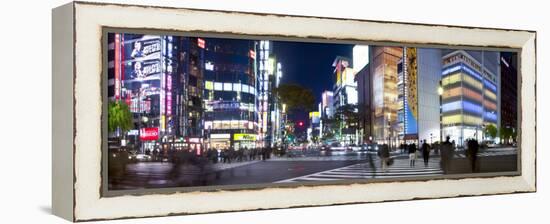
(230,94)
(144,71)
(345,101)
(509,81)
(384,77)
(362,77)
(469,102)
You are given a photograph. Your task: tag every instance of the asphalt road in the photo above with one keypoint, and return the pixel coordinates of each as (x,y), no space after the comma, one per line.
(162,175)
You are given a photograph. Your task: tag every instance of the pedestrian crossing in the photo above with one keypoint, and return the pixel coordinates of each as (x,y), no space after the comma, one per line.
(489,153)
(399,169)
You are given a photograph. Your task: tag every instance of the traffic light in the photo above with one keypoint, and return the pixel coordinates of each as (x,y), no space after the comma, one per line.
(301,123)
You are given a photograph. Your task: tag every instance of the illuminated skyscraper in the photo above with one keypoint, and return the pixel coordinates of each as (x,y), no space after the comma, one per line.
(265,68)
(470,99)
(361,69)
(509,90)
(383,72)
(345,99)
(419,73)
(230,93)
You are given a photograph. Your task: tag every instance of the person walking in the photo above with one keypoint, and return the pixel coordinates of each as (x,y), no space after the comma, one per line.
(425,152)
(446,151)
(384,154)
(471,152)
(412,154)
(403,147)
(370,161)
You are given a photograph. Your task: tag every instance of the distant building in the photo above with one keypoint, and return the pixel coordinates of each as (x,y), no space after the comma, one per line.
(326,110)
(276,123)
(509,91)
(327,104)
(364,92)
(345,98)
(363,79)
(314,129)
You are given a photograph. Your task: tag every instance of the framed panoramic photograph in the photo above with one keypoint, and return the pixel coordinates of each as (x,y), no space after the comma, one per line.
(183,107)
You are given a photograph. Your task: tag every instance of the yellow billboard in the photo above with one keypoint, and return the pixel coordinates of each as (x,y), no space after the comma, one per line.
(244,137)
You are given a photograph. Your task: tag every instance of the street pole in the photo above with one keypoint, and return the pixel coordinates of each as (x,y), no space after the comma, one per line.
(139,119)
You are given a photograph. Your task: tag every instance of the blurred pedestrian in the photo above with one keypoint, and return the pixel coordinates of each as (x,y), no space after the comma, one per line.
(371,164)
(384,154)
(447,152)
(425,152)
(412,154)
(471,152)
(155,154)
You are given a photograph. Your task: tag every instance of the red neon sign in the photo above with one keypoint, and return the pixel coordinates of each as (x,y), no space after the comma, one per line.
(117,66)
(252,54)
(149,134)
(201,42)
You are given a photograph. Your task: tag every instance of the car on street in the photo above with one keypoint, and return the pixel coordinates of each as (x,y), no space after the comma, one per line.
(357,148)
(490,144)
(371,147)
(336,146)
(136,157)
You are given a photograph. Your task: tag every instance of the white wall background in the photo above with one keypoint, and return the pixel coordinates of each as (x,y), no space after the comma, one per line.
(25,114)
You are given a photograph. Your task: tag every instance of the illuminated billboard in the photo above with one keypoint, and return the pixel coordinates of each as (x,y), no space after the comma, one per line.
(410,103)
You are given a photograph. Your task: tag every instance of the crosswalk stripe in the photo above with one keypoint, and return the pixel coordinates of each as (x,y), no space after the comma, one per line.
(400,168)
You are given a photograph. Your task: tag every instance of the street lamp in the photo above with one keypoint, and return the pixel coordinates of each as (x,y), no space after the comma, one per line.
(440,93)
(389,130)
(440,90)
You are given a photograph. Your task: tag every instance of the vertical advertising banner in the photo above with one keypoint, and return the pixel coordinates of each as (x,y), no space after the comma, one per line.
(142,57)
(411,91)
(117,66)
(140,67)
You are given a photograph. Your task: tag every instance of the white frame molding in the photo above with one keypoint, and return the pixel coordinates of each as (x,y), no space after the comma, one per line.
(82,143)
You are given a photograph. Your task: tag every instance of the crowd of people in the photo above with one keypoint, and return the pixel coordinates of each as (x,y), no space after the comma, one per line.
(446,150)
(244,154)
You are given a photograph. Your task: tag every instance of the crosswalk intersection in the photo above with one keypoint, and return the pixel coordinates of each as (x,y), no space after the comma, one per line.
(400,168)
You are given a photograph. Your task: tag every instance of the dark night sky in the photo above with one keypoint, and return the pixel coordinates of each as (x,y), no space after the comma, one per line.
(309,65)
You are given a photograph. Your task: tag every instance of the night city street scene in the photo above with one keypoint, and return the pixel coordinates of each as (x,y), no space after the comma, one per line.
(197,111)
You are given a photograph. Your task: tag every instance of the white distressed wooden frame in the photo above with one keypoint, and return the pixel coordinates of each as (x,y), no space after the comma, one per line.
(77,64)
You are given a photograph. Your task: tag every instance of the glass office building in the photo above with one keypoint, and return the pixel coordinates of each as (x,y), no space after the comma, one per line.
(230,90)
(385,104)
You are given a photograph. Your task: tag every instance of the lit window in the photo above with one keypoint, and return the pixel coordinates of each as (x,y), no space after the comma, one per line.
(209,85)
(237,87)
(218,86)
(227,86)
